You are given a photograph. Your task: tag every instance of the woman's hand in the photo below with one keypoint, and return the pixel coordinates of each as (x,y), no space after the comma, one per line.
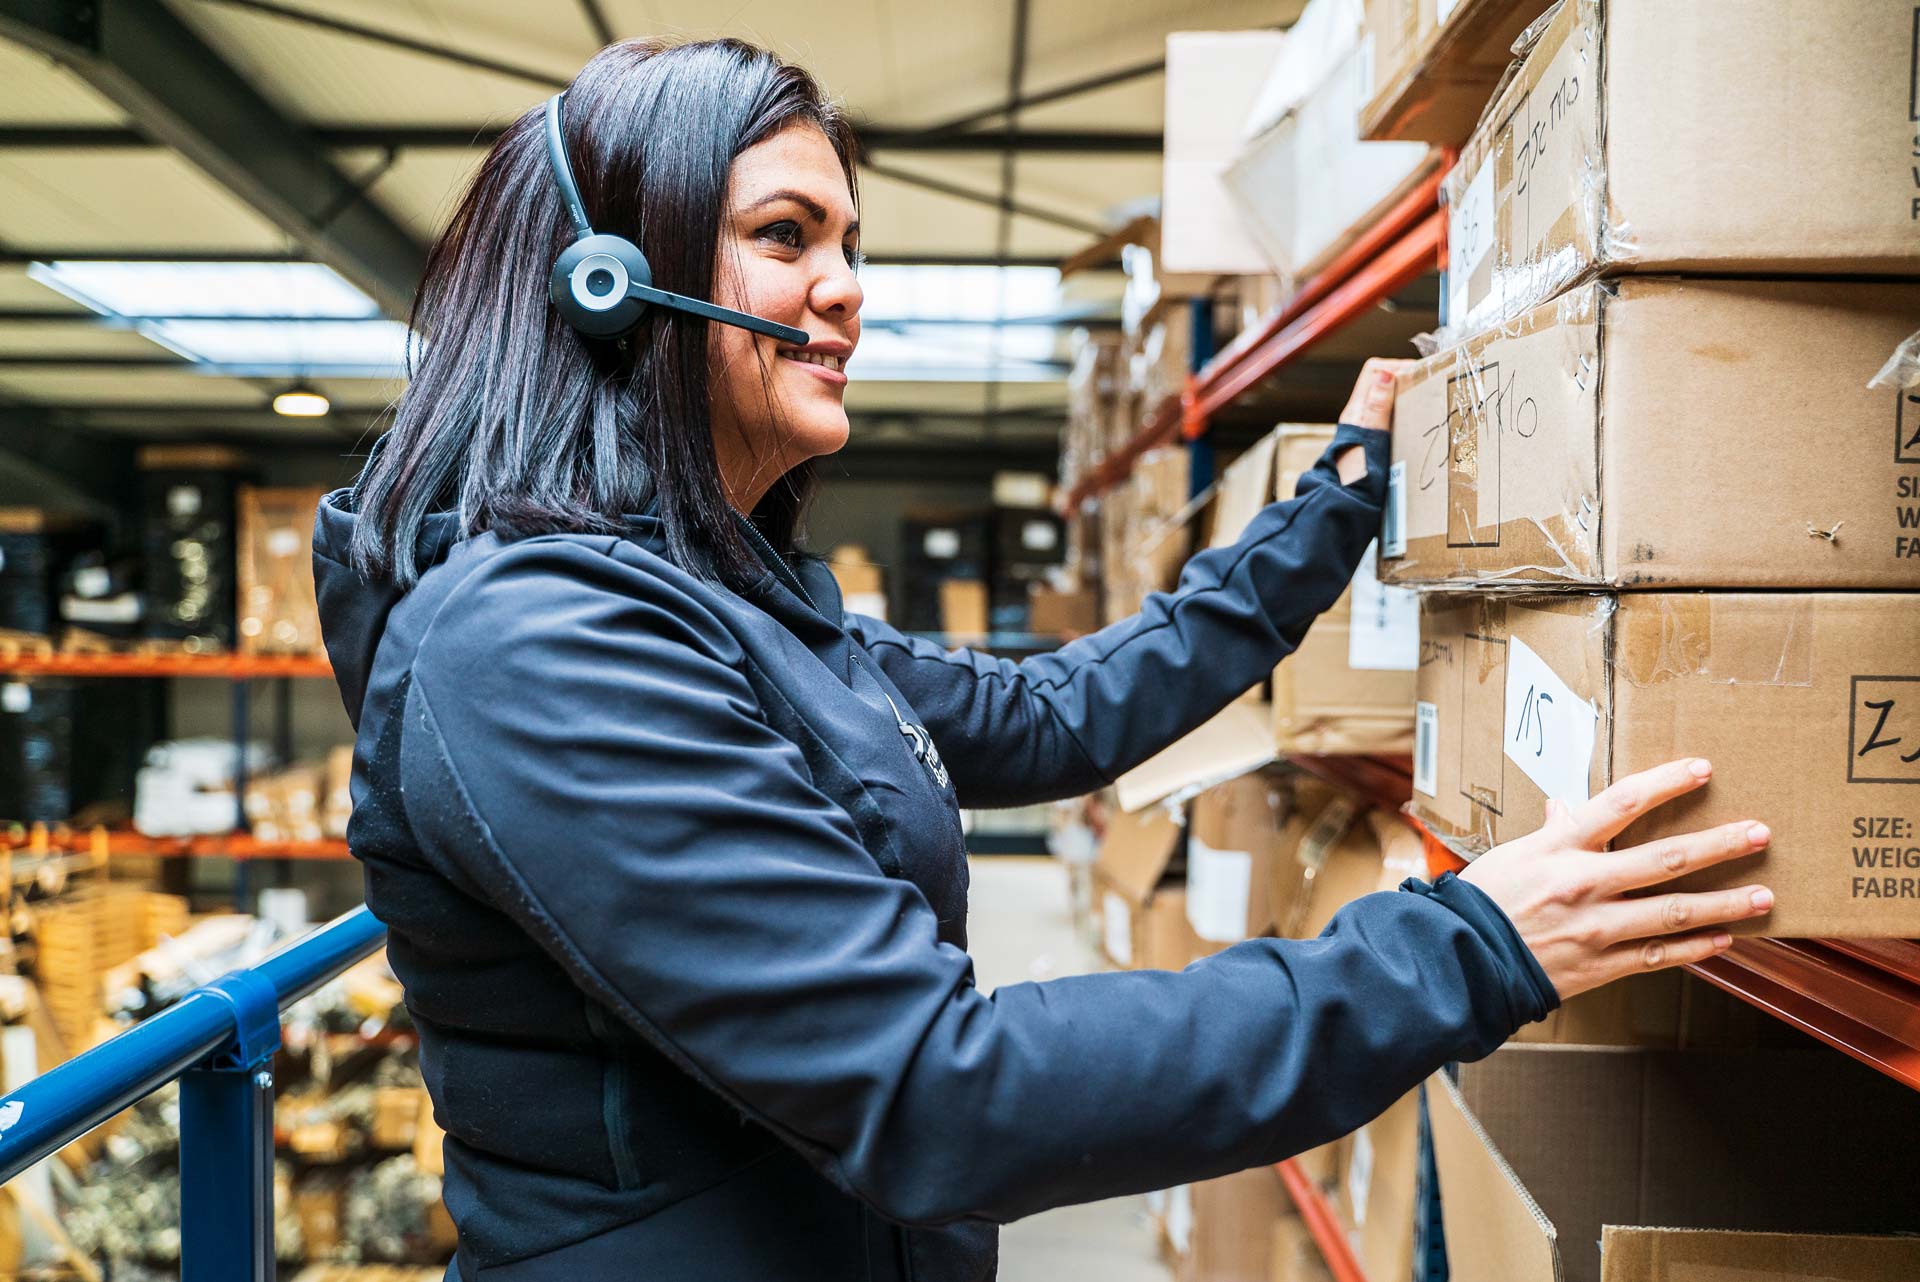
(1371,405)
(1571,902)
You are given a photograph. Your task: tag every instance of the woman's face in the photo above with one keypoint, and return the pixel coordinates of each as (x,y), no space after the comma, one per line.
(788,243)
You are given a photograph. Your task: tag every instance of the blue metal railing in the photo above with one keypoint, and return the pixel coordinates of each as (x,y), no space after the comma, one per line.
(219,1041)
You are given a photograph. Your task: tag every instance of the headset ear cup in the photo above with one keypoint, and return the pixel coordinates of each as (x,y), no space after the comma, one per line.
(589,285)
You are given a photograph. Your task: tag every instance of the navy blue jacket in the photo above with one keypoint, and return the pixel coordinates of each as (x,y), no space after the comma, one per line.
(676,887)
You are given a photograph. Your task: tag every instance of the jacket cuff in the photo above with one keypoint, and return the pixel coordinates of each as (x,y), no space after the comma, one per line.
(1530,994)
(1378,445)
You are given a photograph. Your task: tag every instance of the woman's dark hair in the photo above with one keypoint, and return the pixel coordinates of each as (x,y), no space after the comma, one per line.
(514,420)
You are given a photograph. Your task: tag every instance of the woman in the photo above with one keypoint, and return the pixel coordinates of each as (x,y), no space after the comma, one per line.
(670,848)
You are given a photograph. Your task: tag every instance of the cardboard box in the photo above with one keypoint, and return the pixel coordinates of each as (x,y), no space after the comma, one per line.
(1337,858)
(1727,136)
(279,613)
(1055,613)
(1231,1233)
(1212,78)
(1437,64)
(1807,703)
(1349,687)
(1548,1154)
(963,611)
(1143,913)
(1374,1195)
(1234,838)
(1308,186)
(863,585)
(1239,739)
(1593,441)
(1293,1255)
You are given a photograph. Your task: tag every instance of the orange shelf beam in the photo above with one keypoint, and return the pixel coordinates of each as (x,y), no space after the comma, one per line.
(1860,996)
(1321,1223)
(118,843)
(227,666)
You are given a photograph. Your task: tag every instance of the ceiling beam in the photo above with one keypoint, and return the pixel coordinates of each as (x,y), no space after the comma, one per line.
(597,19)
(991,200)
(1021,101)
(373,35)
(469,137)
(142,58)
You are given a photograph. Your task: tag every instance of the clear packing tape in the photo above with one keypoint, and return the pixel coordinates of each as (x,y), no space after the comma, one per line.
(1486,410)
(1902,369)
(1528,210)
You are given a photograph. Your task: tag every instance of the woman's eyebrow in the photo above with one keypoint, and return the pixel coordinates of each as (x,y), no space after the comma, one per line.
(815,210)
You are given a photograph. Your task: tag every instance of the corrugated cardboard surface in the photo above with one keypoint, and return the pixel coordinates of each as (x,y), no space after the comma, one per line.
(1136,850)
(1245,816)
(1320,704)
(1632,137)
(1239,739)
(1704,1255)
(1380,1220)
(1432,80)
(1232,1227)
(1667,432)
(1295,1256)
(1542,1146)
(1805,702)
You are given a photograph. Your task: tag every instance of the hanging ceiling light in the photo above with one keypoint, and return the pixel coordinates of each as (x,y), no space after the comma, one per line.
(301,401)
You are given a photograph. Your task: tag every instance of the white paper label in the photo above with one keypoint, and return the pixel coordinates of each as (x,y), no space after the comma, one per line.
(1116,926)
(1393,523)
(1426,748)
(1219,883)
(283,542)
(1469,238)
(16,696)
(871,604)
(1549,729)
(91,581)
(1443,9)
(1360,1175)
(1385,632)
(942,544)
(183,500)
(1180,1218)
(1039,536)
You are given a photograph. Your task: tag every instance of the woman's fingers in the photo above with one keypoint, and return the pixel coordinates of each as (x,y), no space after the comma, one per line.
(1657,954)
(1670,914)
(1595,822)
(1670,857)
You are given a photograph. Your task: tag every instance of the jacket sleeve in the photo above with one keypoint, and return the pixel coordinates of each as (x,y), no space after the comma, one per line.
(580,742)
(1069,722)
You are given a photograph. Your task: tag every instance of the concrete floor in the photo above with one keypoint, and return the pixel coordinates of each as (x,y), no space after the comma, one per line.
(1019,929)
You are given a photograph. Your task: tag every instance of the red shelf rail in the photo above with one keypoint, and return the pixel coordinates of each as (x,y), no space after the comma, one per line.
(118,842)
(227,666)
(1405,243)
(1860,996)
(1321,1222)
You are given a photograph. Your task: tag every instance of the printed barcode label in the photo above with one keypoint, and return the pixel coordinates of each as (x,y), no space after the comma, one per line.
(1393,524)
(1426,748)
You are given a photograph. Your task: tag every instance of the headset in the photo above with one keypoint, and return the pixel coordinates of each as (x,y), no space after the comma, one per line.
(601,283)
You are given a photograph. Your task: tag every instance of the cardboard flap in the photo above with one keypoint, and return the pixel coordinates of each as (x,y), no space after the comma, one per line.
(1300,447)
(1495,1230)
(1242,491)
(1705,1255)
(1238,740)
(1136,851)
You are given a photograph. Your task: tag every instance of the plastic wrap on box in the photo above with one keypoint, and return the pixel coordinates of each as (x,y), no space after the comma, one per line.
(1656,431)
(1640,135)
(1806,703)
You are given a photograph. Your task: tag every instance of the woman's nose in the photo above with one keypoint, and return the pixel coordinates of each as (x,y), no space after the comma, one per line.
(838,291)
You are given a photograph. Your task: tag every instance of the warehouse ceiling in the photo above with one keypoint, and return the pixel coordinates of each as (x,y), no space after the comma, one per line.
(264,136)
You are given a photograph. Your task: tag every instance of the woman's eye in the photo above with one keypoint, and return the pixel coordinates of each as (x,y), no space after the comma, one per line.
(785,232)
(855,259)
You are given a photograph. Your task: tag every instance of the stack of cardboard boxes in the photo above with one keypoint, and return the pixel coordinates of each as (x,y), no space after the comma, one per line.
(1661,501)
(1666,515)
(1272,852)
